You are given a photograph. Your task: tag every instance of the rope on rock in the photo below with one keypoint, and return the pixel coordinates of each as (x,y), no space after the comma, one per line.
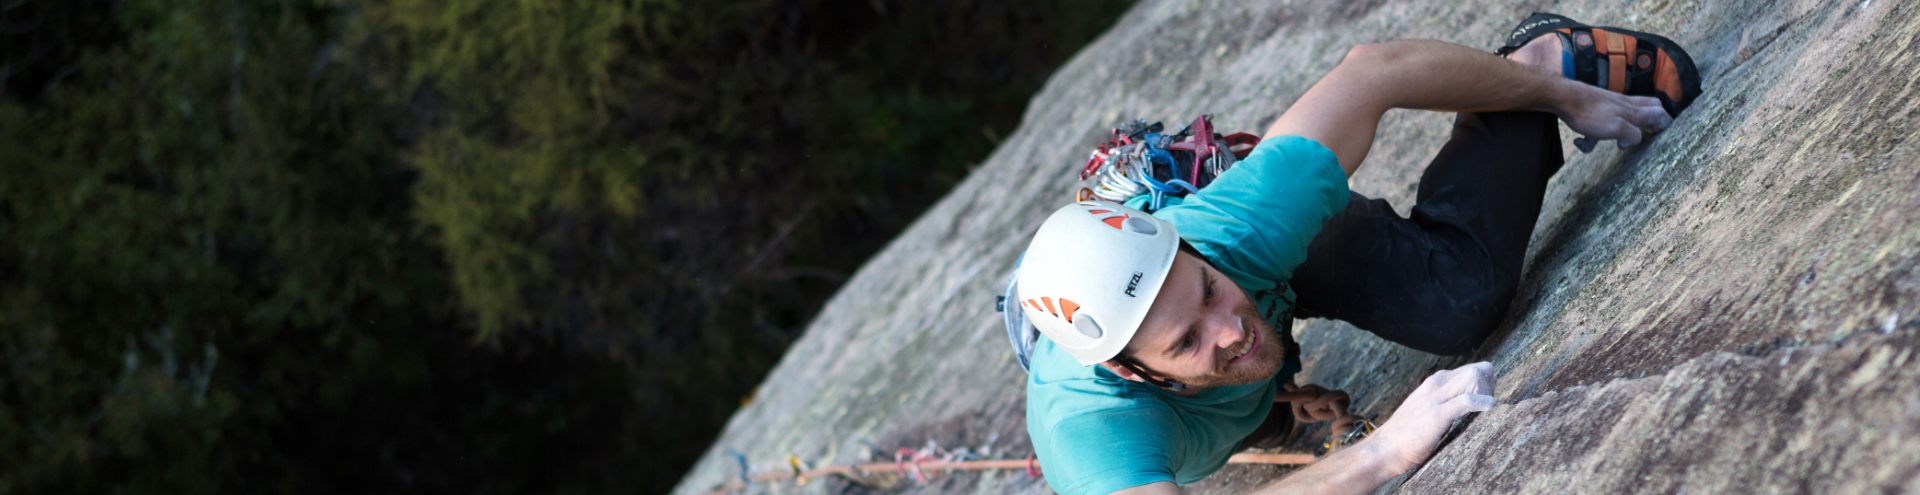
(921,467)
(1310,404)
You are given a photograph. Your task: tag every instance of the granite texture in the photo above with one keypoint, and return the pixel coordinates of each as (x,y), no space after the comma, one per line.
(1729,309)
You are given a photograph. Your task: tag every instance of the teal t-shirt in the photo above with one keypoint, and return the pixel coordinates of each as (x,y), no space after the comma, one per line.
(1096,433)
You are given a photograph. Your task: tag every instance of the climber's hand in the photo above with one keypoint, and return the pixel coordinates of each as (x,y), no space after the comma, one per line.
(1604,115)
(1416,427)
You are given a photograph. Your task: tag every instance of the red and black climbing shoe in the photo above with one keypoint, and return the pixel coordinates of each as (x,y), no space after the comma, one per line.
(1622,61)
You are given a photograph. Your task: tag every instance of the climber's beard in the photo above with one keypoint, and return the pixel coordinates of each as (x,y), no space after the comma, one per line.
(1261,363)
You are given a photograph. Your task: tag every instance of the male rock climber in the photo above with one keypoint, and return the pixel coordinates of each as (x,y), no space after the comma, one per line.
(1159,356)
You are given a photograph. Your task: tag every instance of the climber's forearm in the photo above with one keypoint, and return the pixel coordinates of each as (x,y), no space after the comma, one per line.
(1342,110)
(1404,441)
(1358,469)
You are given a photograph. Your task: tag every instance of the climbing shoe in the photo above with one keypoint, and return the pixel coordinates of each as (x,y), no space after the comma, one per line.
(1621,61)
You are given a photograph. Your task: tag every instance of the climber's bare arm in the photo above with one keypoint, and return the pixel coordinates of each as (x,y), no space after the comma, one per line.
(1343,108)
(1359,468)
(1400,445)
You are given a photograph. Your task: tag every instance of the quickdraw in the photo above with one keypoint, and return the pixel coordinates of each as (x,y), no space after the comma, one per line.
(1360,428)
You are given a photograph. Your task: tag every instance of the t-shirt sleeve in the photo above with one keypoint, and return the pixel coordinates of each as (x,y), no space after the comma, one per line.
(1113,451)
(1256,220)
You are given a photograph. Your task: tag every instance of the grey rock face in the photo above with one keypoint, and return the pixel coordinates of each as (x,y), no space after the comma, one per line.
(1830,419)
(1730,308)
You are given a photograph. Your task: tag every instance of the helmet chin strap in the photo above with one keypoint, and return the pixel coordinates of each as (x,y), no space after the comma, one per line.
(1169,385)
(1140,371)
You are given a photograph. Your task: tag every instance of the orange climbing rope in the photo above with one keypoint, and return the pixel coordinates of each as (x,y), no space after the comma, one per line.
(921,469)
(1310,403)
(1313,403)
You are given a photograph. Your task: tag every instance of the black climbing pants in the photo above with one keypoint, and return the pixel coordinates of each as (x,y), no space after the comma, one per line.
(1440,280)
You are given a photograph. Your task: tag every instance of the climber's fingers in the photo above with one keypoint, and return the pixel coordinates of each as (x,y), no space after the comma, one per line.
(1462,404)
(1627,120)
(1415,428)
(1476,378)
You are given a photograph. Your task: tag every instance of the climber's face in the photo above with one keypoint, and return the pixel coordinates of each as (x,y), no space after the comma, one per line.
(1203,331)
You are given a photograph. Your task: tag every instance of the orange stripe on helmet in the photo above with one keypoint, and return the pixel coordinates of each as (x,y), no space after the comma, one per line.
(1068,307)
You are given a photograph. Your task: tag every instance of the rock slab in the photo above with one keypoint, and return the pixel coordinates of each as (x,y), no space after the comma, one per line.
(1730,308)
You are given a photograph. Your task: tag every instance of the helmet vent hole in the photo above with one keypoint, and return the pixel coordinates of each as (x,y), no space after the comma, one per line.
(1087,327)
(1141,225)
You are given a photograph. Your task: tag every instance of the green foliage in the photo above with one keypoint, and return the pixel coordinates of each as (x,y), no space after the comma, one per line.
(525,133)
(665,181)
(209,260)
(291,246)
(721,126)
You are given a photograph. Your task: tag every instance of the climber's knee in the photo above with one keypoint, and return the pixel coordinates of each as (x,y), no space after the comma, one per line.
(1451,312)
(1462,327)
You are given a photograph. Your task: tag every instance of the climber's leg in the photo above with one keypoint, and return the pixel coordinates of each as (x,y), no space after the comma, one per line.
(1441,280)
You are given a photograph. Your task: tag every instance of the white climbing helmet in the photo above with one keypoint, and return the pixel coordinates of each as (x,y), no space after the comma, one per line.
(1090,274)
